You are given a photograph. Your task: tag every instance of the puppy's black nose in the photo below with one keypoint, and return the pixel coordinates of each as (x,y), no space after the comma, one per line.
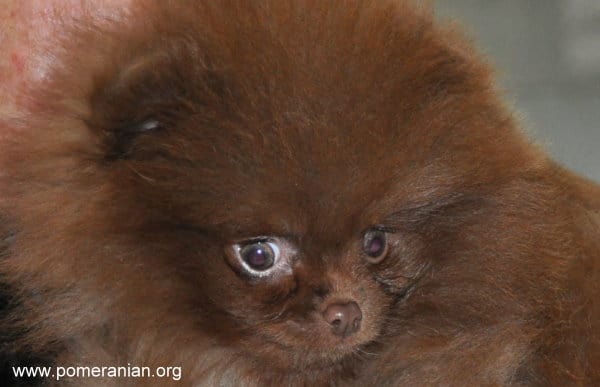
(343,318)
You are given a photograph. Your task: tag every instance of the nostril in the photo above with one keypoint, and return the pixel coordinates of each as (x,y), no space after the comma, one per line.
(344,318)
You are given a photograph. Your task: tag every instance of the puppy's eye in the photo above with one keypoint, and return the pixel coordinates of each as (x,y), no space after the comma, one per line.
(375,245)
(262,257)
(259,256)
(149,125)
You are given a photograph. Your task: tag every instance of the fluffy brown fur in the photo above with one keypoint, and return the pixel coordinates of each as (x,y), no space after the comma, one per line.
(157,143)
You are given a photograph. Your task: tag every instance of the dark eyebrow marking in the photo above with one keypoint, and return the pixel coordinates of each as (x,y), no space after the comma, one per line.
(415,214)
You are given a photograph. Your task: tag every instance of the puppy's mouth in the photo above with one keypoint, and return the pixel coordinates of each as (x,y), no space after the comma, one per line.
(304,356)
(313,345)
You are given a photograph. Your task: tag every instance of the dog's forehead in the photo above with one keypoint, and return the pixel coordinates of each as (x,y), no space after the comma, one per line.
(282,185)
(313,129)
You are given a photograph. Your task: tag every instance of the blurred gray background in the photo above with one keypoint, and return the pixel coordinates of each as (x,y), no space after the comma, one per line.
(547,57)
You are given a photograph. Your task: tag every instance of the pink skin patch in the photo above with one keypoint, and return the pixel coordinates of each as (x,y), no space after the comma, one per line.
(28,32)
(18,63)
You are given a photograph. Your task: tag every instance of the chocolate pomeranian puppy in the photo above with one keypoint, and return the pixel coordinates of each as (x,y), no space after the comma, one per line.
(290,193)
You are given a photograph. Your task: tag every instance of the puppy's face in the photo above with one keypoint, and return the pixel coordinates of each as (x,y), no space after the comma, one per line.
(286,225)
(284,199)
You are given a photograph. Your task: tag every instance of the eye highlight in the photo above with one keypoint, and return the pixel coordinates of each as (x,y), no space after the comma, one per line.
(375,245)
